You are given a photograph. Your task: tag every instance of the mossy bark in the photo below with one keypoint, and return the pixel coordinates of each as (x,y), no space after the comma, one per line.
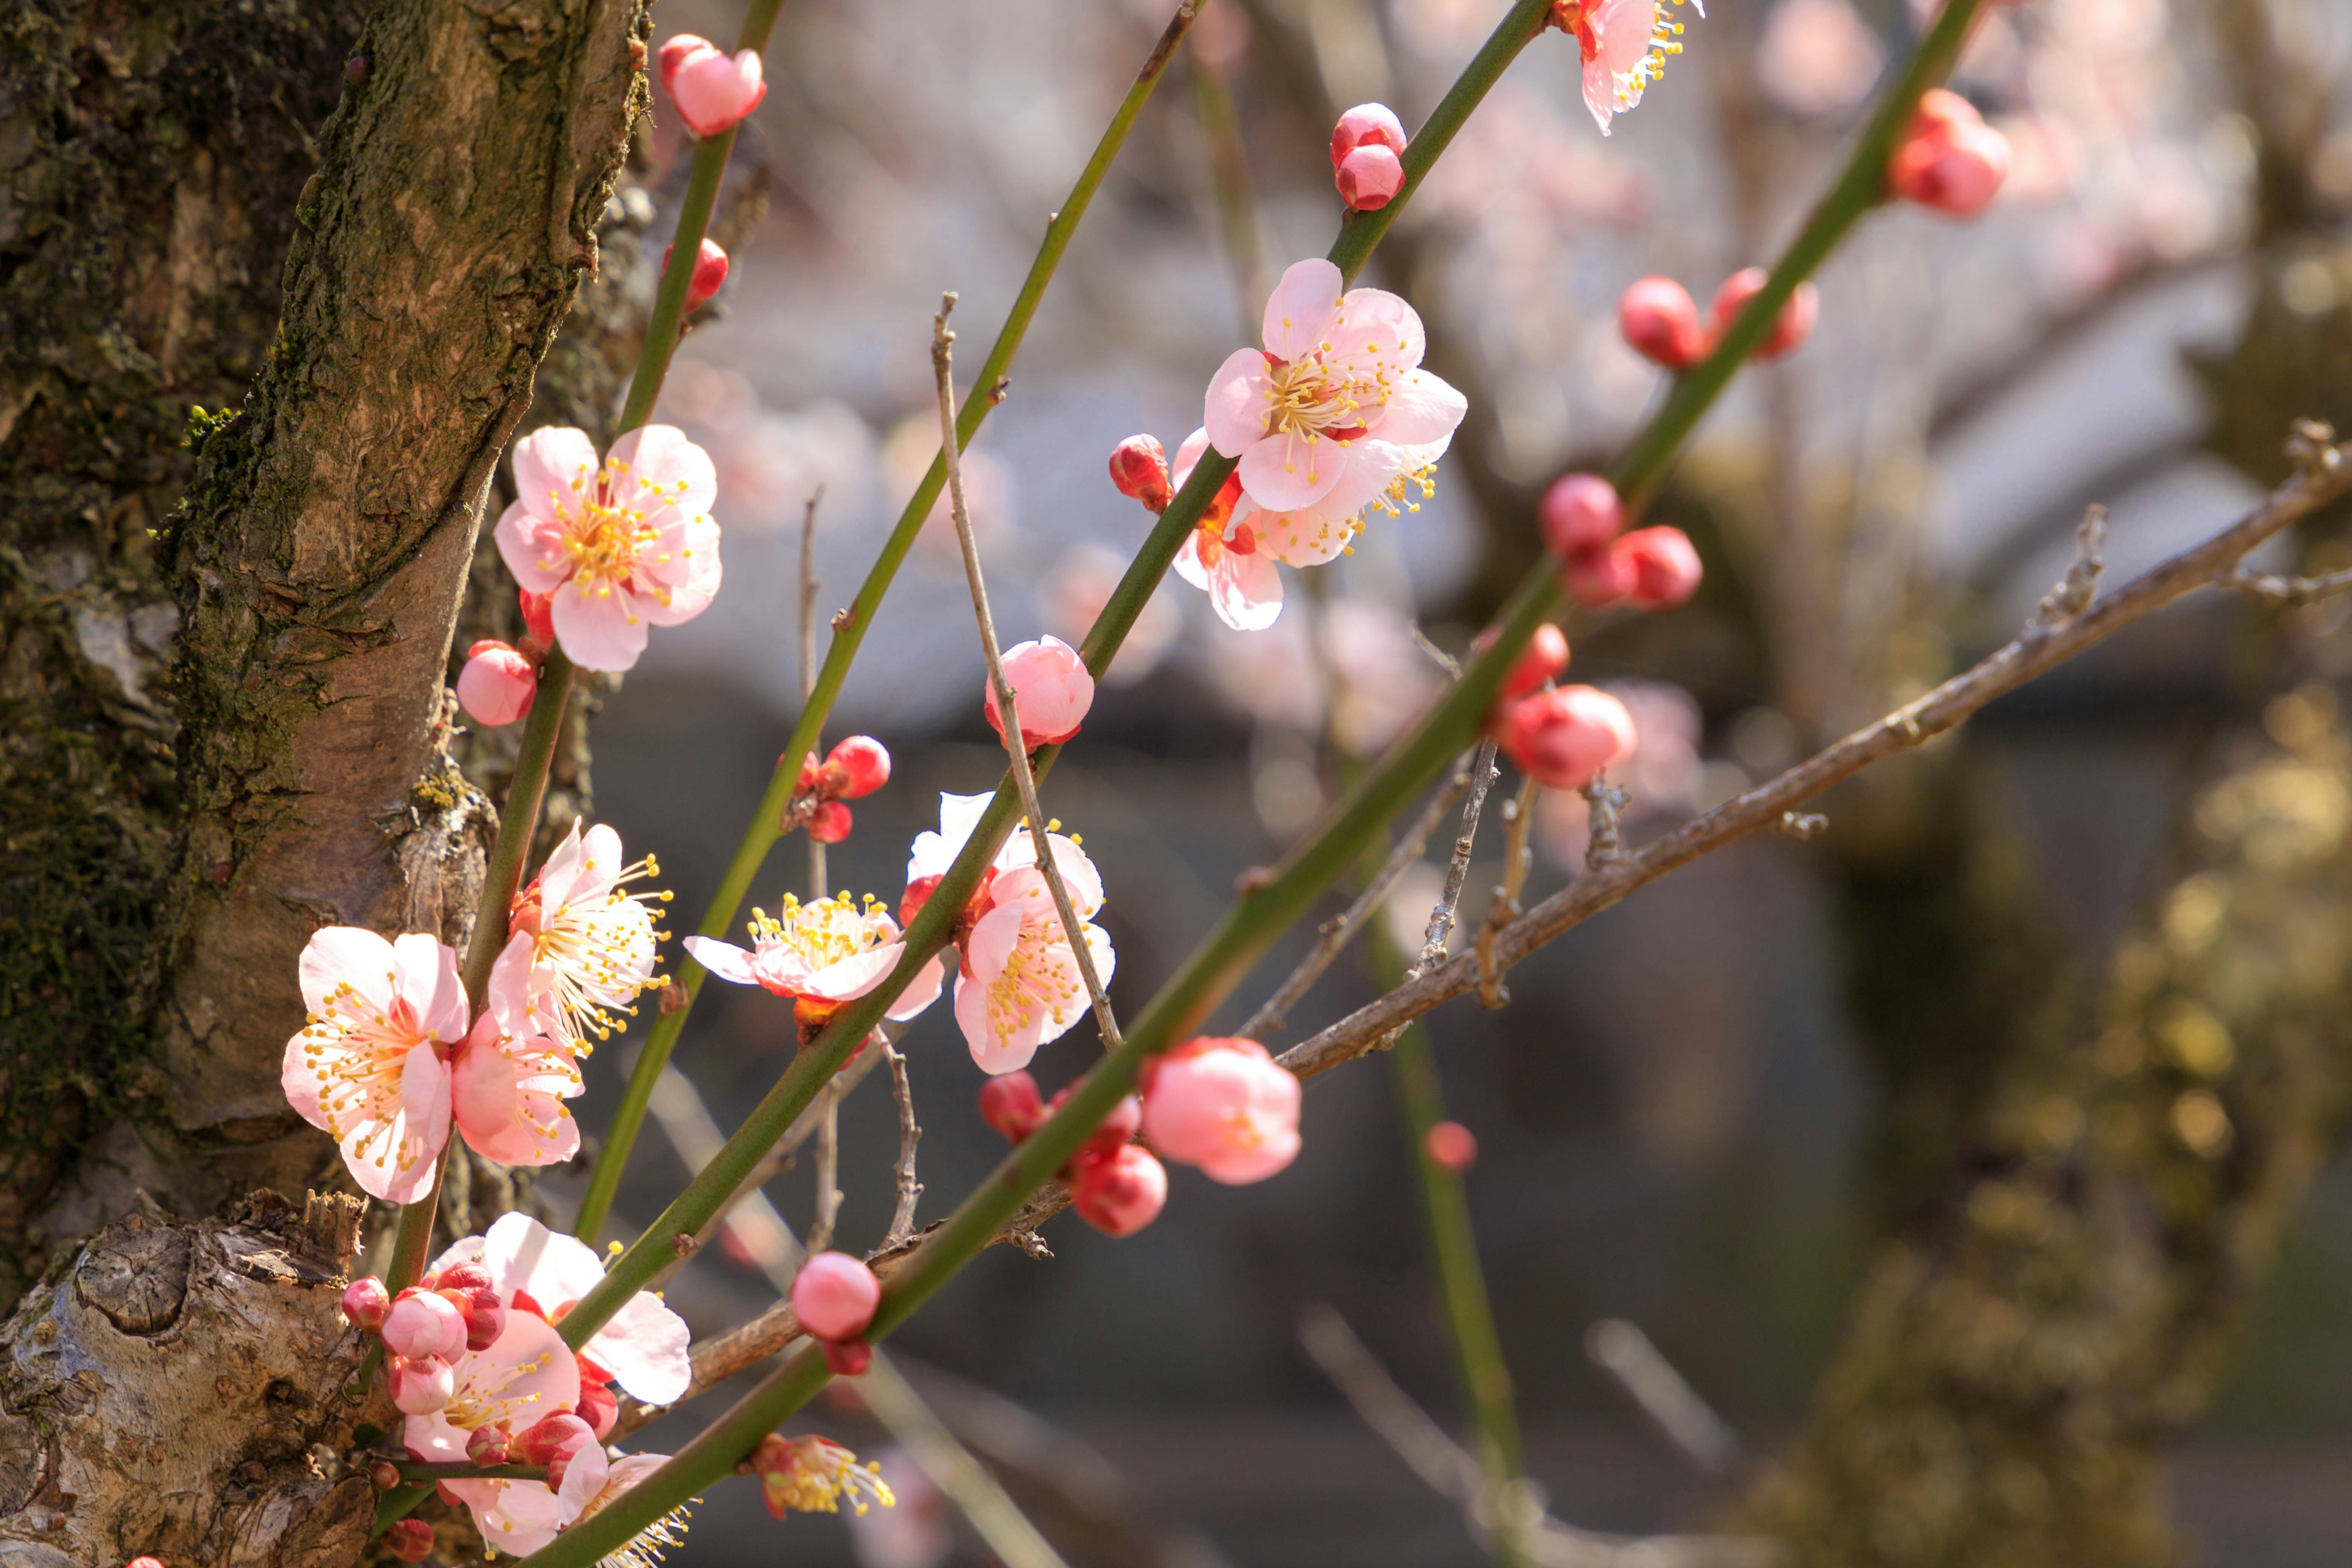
(221,658)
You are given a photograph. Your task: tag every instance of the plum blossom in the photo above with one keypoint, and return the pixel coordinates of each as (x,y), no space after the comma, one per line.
(540,1275)
(526,1373)
(1221,1105)
(1336,391)
(594,1481)
(713,90)
(1220,555)
(368,1068)
(620,546)
(813,1475)
(580,949)
(508,1090)
(1052,690)
(1018,985)
(820,954)
(1625,44)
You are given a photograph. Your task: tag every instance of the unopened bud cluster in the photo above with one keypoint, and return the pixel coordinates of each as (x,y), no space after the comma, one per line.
(835,1297)
(1661,322)
(851,771)
(1949,159)
(427,1328)
(713,90)
(1368,156)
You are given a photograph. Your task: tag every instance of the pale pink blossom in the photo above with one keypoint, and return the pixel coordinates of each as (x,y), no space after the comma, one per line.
(1224,1106)
(368,1068)
(820,954)
(835,1295)
(592,1482)
(1339,379)
(1052,690)
(540,1274)
(508,1090)
(713,90)
(1018,985)
(1222,555)
(620,546)
(1624,44)
(919,1533)
(497,684)
(813,1475)
(581,948)
(527,1373)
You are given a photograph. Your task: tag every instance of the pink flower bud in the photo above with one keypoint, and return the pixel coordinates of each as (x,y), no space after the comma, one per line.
(497,684)
(835,1295)
(673,53)
(459,1277)
(1562,737)
(1789,328)
(709,273)
(421,1323)
(860,764)
(831,823)
(1367,124)
(846,1358)
(1111,1134)
(713,92)
(489,1446)
(538,616)
(1660,321)
(1451,1147)
(1580,513)
(144,1563)
(1009,1103)
(1544,657)
(410,1539)
(1121,1194)
(1138,467)
(365,1302)
(1369,177)
(1662,564)
(1224,1106)
(1051,686)
(600,1408)
(1949,159)
(557,1466)
(1598,578)
(541,1442)
(421,1385)
(485,1315)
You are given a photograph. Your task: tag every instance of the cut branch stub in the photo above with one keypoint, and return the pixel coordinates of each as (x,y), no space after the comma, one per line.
(136,1273)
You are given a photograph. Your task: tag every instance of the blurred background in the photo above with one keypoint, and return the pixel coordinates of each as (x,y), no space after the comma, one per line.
(1978,1161)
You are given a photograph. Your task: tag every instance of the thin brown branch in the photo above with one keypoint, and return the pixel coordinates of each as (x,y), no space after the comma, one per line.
(902,1223)
(829,1171)
(2321,474)
(1072,928)
(2289,591)
(1334,935)
(1519,816)
(809,586)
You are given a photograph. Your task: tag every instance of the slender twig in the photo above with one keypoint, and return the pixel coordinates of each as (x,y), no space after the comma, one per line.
(2289,591)
(1602,802)
(2323,473)
(1016,750)
(1519,816)
(828,1172)
(1335,934)
(910,1191)
(849,627)
(809,586)
(1483,774)
(1686,1419)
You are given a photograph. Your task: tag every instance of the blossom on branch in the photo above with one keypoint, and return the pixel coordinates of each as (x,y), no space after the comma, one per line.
(368,1068)
(713,90)
(1222,1106)
(1052,689)
(820,954)
(497,683)
(1624,43)
(813,1475)
(508,1091)
(581,950)
(619,546)
(540,1273)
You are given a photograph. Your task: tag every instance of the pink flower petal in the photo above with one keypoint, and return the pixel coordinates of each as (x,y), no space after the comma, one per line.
(1378,330)
(643,1346)
(1288,471)
(599,630)
(722,959)
(425,971)
(697,579)
(657,460)
(846,978)
(534,565)
(1234,412)
(1188,456)
(993,1056)
(546,463)
(508,1097)
(920,992)
(1247,592)
(347,955)
(1299,312)
(1421,408)
(510,985)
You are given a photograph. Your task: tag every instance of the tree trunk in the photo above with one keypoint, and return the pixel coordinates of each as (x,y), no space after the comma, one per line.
(227,726)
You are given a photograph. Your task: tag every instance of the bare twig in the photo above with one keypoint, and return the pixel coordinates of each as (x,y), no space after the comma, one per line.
(1519,816)
(2072,593)
(1482,775)
(1622,1351)
(944,363)
(809,585)
(902,1223)
(1602,802)
(2290,591)
(1336,934)
(1453,1474)
(2323,472)
(828,1172)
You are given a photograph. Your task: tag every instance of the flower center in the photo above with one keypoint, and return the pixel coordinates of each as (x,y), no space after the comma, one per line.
(482,1398)
(360,1053)
(1312,398)
(600,952)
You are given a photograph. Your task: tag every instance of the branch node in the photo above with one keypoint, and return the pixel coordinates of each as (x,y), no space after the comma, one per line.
(2072,593)
(1601,843)
(1800,824)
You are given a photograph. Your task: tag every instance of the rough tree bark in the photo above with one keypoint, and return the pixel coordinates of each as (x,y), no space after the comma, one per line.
(170,846)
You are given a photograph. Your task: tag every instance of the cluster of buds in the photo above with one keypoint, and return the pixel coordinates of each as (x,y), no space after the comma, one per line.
(712,90)
(813,1475)
(1948,158)
(835,1296)
(851,771)
(1560,736)
(500,679)
(709,273)
(425,1327)
(1052,689)
(410,1539)
(1115,1183)
(1651,569)
(1366,156)
(1662,322)
(1138,467)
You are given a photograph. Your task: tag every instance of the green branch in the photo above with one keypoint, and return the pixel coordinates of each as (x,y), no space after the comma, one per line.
(849,633)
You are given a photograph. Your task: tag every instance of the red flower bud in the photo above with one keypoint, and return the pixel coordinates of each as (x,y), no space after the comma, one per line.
(1789,328)
(1138,467)
(410,1539)
(1580,513)
(598,1407)
(365,1302)
(674,52)
(1451,1147)
(539,1443)
(1114,1132)
(1562,737)
(709,273)
(1369,177)
(831,823)
(861,765)
(1009,1103)
(1659,318)
(1545,656)
(1121,1194)
(1598,578)
(1662,564)
(835,1296)
(1949,159)
(538,616)
(489,1446)
(846,1358)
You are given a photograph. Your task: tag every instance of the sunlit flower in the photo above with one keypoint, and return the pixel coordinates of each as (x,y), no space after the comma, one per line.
(594,1482)
(368,1067)
(528,1373)
(820,954)
(508,1091)
(1625,44)
(582,949)
(815,1474)
(1224,1106)
(1339,378)
(620,546)
(1221,554)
